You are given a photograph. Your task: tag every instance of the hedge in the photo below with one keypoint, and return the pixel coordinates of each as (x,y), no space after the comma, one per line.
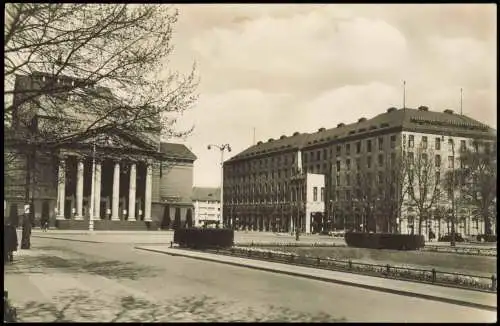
(200,238)
(384,241)
(487,237)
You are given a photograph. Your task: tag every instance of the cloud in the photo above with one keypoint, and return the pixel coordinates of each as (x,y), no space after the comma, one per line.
(230,117)
(303,45)
(286,68)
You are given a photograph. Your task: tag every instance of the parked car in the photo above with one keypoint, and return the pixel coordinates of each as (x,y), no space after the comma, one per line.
(447,238)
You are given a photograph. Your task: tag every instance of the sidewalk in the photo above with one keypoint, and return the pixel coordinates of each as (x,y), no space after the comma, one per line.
(482,300)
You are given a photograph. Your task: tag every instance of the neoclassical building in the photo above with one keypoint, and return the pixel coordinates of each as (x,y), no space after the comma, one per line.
(140,182)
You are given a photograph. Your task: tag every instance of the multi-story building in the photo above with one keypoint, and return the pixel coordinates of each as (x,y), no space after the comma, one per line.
(206,202)
(260,183)
(138,179)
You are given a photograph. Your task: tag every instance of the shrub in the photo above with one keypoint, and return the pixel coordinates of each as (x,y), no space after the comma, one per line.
(487,238)
(448,237)
(201,238)
(384,241)
(9,312)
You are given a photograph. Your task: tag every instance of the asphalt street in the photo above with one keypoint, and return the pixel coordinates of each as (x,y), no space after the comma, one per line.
(60,280)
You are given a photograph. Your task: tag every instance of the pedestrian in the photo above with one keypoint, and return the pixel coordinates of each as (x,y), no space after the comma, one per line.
(27,225)
(10,241)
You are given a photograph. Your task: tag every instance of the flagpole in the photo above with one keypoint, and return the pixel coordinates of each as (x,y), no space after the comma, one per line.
(461,100)
(404,94)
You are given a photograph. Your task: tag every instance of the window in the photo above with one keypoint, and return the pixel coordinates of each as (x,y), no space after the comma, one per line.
(358,164)
(348,149)
(462,145)
(358,179)
(424,142)
(339,149)
(393,159)
(325,154)
(358,147)
(315,194)
(305,157)
(437,144)
(338,195)
(380,178)
(318,168)
(369,162)
(410,157)
(380,143)
(450,162)
(411,141)
(381,159)
(318,155)
(338,166)
(348,164)
(476,146)
(369,146)
(438,161)
(487,148)
(450,145)
(438,177)
(424,157)
(393,141)
(338,180)
(348,195)
(348,179)
(322,194)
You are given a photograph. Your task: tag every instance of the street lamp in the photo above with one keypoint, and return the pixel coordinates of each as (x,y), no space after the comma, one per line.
(92,193)
(221,148)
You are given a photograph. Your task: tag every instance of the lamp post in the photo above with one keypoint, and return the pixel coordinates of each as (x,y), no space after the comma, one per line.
(221,148)
(91,210)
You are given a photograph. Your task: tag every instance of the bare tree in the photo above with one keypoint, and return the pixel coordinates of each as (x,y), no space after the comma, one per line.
(478,180)
(73,71)
(423,183)
(116,46)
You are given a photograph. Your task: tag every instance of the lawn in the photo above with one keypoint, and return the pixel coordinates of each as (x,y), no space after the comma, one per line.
(465,264)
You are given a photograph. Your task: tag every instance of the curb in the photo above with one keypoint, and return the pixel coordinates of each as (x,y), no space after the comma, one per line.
(76,240)
(324,279)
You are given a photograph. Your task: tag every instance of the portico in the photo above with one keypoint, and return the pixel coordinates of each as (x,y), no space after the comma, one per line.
(122,190)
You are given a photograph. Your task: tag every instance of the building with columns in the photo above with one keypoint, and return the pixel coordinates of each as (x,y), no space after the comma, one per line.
(139,180)
(265,185)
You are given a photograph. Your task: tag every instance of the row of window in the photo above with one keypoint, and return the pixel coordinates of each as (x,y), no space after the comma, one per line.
(439,140)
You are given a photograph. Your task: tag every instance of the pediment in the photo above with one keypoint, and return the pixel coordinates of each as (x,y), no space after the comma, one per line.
(119,139)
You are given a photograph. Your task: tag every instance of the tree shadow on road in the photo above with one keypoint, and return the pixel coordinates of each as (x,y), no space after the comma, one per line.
(113,269)
(78,306)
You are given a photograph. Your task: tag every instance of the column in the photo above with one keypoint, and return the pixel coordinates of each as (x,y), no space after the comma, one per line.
(61,189)
(147,195)
(116,193)
(131,193)
(79,190)
(97,191)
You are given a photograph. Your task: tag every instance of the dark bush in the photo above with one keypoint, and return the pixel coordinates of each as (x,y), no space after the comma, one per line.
(448,237)
(201,238)
(384,241)
(487,238)
(9,312)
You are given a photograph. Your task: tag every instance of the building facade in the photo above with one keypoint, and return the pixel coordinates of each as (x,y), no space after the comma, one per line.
(206,202)
(138,180)
(261,183)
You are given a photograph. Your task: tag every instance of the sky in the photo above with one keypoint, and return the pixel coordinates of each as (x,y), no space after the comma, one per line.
(298,67)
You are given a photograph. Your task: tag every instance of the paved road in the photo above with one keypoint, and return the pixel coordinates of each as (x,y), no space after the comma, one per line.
(62,280)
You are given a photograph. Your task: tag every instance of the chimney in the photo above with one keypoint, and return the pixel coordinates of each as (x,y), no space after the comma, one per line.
(423,108)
